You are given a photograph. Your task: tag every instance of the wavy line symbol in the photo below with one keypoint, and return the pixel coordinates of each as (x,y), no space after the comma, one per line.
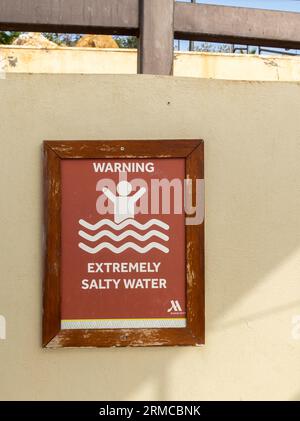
(124,224)
(125,234)
(123,247)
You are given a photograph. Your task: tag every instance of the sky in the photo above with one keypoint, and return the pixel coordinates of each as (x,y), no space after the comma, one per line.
(290,5)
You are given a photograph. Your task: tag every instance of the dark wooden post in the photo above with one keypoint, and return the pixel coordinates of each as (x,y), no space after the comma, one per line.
(156,40)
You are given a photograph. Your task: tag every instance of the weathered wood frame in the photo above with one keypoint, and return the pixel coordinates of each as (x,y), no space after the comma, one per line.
(156,23)
(55,151)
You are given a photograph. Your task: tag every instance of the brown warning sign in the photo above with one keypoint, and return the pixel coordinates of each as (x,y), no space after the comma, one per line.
(124,243)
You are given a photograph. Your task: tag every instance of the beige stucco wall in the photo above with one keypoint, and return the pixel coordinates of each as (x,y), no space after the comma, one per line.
(252,134)
(122,61)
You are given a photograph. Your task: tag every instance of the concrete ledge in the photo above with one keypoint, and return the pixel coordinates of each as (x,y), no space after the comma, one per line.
(124,61)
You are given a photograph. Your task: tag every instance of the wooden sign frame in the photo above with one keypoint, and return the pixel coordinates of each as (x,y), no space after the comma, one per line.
(55,151)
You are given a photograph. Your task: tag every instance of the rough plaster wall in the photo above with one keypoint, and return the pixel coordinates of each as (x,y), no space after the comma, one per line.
(251,133)
(16,59)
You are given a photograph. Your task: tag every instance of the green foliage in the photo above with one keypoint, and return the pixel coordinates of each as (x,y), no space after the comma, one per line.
(127,42)
(252,50)
(208,47)
(68,40)
(7,37)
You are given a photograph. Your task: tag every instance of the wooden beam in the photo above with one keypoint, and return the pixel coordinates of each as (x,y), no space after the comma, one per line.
(156,37)
(75,16)
(202,22)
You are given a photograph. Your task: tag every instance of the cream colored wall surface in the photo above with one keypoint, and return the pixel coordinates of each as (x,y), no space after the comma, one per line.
(16,59)
(68,60)
(252,170)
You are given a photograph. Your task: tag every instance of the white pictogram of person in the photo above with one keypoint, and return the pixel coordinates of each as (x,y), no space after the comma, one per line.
(124,205)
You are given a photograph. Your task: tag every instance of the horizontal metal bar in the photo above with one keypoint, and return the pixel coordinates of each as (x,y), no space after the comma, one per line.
(202,22)
(75,16)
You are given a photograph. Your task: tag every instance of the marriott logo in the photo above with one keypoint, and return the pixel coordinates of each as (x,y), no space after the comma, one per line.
(175,307)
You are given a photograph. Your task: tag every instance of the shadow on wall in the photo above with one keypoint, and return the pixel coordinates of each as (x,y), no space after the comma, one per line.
(253,202)
(296,398)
